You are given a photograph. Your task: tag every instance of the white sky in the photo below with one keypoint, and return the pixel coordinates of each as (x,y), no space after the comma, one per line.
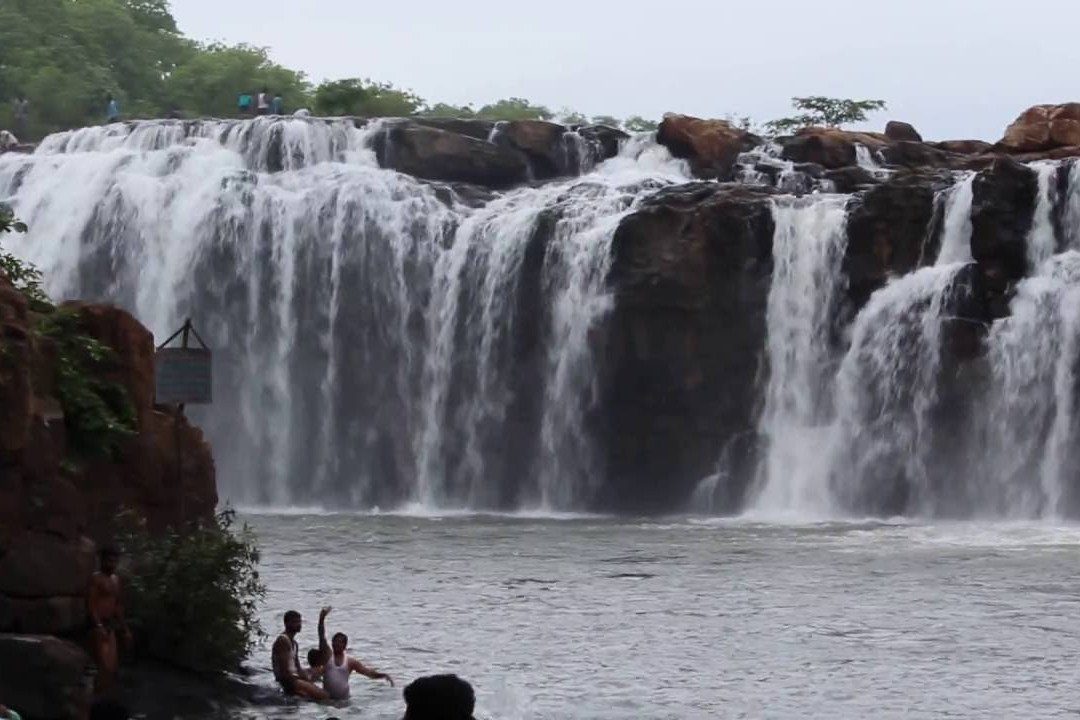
(953,68)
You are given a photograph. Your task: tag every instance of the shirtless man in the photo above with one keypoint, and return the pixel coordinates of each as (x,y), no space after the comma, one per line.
(105,606)
(285,657)
(339,666)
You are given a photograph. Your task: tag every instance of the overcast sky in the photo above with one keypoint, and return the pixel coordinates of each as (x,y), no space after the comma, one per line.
(953,68)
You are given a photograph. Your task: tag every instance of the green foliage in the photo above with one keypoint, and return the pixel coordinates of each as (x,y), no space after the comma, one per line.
(192,594)
(445,110)
(212,78)
(514,109)
(97,410)
(606,120)
(636,123)
(824,111)
(365,98)
(571,117)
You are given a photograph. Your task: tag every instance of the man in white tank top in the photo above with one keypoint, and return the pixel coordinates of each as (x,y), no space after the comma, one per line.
(340,666)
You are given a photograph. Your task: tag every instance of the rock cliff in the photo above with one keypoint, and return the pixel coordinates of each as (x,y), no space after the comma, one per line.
(56,503)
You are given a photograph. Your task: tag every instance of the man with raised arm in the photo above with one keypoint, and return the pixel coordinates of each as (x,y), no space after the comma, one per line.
(285,657)
(339,665)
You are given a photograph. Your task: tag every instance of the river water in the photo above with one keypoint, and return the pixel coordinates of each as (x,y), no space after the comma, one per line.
(601,618)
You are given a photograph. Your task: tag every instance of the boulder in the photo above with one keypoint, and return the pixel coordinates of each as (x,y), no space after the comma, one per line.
(690,274)
(711,146)
(543,146)
(607,140)
(1043,127)
(963,147)
(435,154)
(45,678)
(851,179)
(829,147)
(905,153)
(896,130)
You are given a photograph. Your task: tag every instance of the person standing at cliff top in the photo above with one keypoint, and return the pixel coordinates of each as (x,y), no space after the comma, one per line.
(277,105)
(243,103)
(113,110)
(22,118)
(104,605)
(262,104)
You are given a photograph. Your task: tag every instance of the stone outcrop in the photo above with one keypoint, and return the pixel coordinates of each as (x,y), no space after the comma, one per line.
(55,504)
(690,273)
(710,146)
(901,131)
(493,155)
(829,147)
(1044,127)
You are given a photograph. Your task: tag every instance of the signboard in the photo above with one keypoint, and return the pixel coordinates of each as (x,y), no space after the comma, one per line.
(183,375)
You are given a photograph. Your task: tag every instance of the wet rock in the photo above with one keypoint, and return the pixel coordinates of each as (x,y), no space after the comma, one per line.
(963,147)
(691,272)
(918,155)
(851,179)
(477,129)
(542,144)
(1001,214)
(887,232)
(61,615)
(897,131)
(829,147)
(435,154)
(711,146)
(606,139)
(16,388)
(44,677)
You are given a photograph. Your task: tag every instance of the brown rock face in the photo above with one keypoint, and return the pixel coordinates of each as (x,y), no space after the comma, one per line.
(829,147)
(963,147)
(51,502)
(711,146)
(1043,127)
(896,130)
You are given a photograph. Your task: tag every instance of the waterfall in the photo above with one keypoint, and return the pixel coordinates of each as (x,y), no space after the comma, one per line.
(956,226)
(1041,242)
(808,246)
(378,340)
(1030,417)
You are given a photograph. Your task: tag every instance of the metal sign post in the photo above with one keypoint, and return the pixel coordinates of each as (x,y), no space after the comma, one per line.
(183,375)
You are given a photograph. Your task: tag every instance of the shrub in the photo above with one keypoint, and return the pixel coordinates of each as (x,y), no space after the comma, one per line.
(192,594)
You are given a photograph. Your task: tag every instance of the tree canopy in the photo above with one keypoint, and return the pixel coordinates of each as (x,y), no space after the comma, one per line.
(826,111)
(67,56)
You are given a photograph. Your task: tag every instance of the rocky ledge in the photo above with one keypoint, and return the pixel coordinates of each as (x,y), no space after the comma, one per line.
(56,504)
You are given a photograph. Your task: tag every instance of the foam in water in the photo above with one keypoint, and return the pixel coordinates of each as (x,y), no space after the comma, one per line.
(808,247)
(378,341)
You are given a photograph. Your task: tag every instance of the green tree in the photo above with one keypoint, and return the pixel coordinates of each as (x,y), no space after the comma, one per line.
(210,80)
(365,98)
(566,116)
(514,109)
(445,110)
(824,111)
(636,123)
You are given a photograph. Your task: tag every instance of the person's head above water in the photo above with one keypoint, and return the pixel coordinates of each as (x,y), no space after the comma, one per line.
(339,642)
(314,657)
(439,697)
(293,622)
(108,559)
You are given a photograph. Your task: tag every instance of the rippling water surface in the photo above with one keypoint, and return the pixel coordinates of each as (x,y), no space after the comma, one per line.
(602,619)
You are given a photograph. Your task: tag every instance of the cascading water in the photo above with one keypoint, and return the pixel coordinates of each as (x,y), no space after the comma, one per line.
(808,246)
(838,437)
(378,340)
